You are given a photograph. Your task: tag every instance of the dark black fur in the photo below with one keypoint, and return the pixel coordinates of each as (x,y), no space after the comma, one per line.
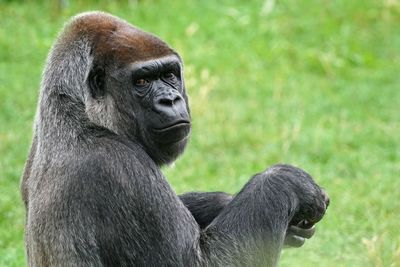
(112,110)
(205,206)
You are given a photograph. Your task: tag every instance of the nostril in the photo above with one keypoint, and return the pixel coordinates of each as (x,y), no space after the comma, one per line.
(168,101)
(165,102)
(176,99)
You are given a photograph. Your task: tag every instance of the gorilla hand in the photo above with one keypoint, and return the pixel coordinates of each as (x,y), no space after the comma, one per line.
(312,203)
(296,235)
(298,232)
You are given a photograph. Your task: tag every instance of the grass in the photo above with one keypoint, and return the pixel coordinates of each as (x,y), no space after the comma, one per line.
(311,83)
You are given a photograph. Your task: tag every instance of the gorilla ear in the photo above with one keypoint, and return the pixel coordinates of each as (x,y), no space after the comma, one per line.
(96,82)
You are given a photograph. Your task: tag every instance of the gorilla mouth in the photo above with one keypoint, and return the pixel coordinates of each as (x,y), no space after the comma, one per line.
(174,125)
(173,132)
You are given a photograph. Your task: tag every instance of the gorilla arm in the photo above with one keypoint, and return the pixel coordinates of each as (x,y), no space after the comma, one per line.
(205,206)
(253,225)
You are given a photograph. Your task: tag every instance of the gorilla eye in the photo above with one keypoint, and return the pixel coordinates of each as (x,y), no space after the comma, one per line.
(169,76)
(141,82)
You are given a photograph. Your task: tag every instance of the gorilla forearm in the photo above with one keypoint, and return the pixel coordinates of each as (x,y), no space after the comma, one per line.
(237,218)
(263,230)
(206,206)
(253,236)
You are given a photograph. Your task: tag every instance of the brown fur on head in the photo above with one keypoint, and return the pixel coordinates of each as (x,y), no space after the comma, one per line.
(114,38)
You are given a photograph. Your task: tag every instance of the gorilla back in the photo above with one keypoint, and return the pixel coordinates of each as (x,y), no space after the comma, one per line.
(112,110)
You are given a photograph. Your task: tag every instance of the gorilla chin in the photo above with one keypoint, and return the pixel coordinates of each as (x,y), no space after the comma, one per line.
(172,133)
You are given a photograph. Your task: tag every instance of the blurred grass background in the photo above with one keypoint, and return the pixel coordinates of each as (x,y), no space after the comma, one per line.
(311,83)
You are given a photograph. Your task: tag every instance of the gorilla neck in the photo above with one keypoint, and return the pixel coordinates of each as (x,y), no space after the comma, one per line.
(163,154)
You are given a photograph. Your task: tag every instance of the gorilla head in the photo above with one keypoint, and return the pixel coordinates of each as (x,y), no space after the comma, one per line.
(133,83)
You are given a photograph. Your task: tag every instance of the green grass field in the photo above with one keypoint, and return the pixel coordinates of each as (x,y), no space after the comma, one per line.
(311,83)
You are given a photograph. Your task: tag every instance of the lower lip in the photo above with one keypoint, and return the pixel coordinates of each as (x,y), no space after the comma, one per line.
(172,134)
(172,127)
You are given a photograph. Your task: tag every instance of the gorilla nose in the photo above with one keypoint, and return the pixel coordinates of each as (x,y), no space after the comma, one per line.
(166,101)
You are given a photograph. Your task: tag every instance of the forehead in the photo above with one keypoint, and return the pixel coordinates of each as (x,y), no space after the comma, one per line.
(170,62)
(115,39)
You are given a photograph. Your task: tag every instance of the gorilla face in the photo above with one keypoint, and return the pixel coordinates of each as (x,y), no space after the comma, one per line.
(150,102)
(157,86)
(163,116)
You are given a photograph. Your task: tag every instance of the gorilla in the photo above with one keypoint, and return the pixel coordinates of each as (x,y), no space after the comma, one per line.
(112,110)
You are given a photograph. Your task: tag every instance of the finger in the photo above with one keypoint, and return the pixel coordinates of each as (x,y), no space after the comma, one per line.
(298,231)
(306,224)
(326,199)
(294,241)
